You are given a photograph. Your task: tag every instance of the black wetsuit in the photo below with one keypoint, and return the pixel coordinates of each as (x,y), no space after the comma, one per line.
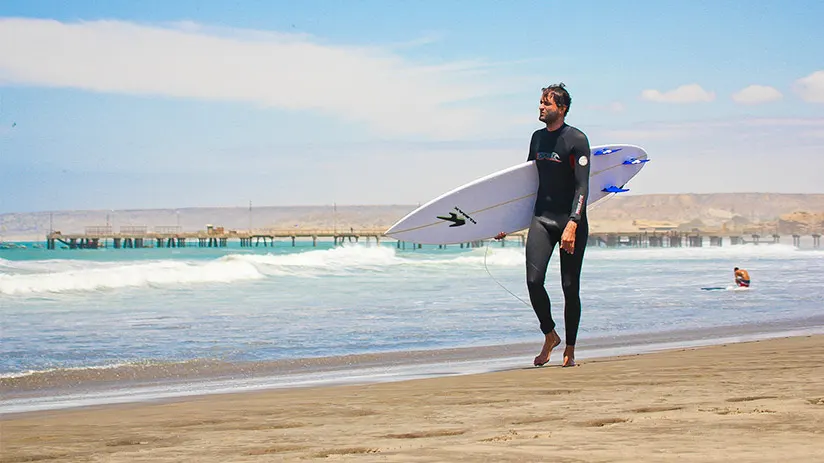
(562,159)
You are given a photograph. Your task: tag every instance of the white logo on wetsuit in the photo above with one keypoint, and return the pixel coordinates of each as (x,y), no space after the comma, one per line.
(583,160)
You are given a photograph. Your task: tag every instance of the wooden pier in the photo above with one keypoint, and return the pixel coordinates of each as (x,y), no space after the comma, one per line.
(171,237)
(677,239)
(136,237)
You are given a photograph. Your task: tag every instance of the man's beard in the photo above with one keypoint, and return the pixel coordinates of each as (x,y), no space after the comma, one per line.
(550,117)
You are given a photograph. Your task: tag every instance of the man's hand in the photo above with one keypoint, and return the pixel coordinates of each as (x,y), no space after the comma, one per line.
(568,237)
(500,236)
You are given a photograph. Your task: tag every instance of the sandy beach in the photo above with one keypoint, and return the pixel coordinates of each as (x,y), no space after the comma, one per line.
(754,401)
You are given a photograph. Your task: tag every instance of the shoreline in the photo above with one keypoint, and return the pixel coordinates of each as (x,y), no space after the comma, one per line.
(143,383)
(746,401)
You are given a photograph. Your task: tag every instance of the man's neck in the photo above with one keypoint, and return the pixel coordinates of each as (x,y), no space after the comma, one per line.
(555,125)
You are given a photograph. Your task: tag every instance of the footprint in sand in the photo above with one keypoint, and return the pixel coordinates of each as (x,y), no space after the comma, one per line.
(512,434)
(346,451)
(533,420)
(751,398)
(663,408)
(275,450)
(600,423)
(136,440)
(422,434)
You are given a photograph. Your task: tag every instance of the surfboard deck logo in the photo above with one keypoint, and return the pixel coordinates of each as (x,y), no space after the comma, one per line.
(457,221)
(453,217)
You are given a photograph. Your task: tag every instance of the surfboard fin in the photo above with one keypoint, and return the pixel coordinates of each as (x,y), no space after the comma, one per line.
(614,189)
(604,151)
(635,161)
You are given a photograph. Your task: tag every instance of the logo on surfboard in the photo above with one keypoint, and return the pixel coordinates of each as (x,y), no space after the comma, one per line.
(453,217)
(457,221)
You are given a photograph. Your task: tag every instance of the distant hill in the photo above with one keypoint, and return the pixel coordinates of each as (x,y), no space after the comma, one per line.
(738,211)
(35,225)
(730,211)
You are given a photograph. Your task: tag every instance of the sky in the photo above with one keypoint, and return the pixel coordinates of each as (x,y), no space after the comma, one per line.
(158,104)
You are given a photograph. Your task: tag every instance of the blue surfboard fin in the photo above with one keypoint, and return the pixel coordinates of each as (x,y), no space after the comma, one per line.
(614,189)
(635,161)
(604,151)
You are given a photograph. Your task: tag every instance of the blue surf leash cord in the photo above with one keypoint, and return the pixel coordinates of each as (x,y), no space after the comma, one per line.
(486,253)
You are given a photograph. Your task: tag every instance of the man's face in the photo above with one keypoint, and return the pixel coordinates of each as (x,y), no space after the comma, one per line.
(549,111)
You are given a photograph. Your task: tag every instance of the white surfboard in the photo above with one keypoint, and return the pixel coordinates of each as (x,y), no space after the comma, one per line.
(504,201)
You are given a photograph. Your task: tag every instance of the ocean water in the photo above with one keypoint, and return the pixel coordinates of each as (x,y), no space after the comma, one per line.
(97,326)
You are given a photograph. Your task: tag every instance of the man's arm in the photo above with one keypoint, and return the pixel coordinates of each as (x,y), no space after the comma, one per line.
(533,147)
(581,169)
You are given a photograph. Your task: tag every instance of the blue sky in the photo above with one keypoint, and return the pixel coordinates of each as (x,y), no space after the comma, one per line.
(122,104)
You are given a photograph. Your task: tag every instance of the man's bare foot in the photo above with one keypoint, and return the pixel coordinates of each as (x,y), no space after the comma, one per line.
(551,341)
(569,356)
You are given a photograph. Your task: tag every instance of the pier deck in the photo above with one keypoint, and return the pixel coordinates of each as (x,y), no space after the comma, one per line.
(170,237)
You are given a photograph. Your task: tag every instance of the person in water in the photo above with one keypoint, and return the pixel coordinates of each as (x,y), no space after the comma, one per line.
(562,156)
(742,277)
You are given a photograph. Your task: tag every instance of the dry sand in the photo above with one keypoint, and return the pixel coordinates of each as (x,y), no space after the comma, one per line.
(757,401)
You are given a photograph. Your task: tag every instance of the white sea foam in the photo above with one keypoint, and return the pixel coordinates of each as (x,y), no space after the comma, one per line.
(6,264)
(90,276)
(64,275)
(24,374)
(344,257)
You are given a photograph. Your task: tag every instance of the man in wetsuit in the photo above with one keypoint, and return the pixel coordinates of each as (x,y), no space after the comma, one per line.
(561,154)
(742,277)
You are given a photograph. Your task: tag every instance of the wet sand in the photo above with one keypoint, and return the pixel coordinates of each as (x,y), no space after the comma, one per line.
(754,401)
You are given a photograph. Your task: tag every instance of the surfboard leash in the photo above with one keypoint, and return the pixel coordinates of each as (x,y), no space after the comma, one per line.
(498,282)
(486,253)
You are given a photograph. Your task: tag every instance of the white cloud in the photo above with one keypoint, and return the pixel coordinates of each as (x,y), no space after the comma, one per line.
(755,94)
(692,93)
(811,87)
(362,84)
